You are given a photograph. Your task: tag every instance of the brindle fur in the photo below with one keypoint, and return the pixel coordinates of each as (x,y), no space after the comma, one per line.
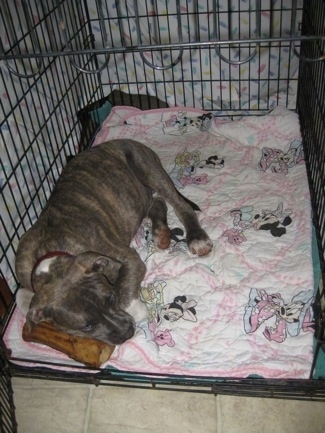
(94,211)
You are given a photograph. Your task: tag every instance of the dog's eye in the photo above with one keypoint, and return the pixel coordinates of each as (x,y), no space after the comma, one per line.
(109,300)
(112,299)
(89,327)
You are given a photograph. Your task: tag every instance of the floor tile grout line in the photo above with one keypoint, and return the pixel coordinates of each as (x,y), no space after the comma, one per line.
(218,414)
(88,409)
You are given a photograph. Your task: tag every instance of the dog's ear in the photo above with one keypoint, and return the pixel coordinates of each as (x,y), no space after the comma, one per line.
(95,262)
(37,315)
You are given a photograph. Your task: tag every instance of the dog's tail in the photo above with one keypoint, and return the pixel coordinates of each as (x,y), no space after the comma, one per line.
(191,203)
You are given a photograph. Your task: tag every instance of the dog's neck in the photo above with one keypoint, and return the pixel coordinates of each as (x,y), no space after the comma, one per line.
(44,262)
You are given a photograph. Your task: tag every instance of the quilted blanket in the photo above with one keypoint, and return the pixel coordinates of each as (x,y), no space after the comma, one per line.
(245,309)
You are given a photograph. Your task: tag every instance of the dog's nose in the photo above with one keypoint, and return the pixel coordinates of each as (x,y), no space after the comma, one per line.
(131,332)
(120,338)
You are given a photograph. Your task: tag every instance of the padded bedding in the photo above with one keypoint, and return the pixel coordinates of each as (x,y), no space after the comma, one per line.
(245,309)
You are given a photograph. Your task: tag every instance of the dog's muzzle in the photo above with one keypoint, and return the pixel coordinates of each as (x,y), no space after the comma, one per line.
(120,327)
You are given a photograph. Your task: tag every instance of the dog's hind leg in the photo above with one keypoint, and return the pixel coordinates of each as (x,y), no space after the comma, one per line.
(158,215)
(146,165)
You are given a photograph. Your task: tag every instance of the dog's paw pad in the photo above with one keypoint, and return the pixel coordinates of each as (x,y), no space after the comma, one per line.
(138,310)
(201,247)
(162,237)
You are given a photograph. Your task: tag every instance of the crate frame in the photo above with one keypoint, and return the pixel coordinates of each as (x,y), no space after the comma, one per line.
(31,63)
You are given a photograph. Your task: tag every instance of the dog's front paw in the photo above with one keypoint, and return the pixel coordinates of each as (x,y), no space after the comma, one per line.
(138,310)
(199,243)
(23,299)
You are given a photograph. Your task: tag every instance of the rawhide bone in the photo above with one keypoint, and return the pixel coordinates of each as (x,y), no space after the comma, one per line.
(90,352)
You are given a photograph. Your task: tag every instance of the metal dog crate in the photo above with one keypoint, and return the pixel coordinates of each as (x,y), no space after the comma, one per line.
(61,60)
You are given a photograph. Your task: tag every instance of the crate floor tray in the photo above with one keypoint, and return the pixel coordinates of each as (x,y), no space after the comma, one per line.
(245,309)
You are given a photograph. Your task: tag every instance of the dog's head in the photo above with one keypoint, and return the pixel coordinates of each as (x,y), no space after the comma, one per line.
(77,295)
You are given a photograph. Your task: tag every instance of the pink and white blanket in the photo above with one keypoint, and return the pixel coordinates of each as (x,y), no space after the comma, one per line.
(246,308)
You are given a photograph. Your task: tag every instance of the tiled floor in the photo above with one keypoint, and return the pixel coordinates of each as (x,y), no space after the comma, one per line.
(56,407)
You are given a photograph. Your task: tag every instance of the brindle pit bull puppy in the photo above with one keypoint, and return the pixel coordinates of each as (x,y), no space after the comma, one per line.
(77,258)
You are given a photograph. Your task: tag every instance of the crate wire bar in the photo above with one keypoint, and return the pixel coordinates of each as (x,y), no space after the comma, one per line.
(34,49)
(78,52)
